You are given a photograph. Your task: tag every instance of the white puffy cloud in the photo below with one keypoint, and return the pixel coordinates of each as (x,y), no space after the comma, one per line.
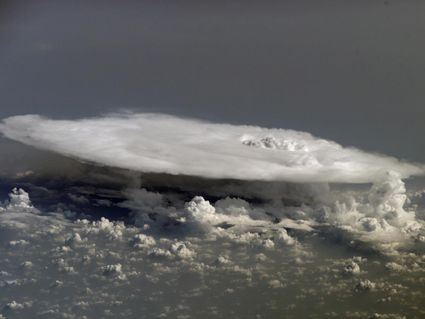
(13,305)
(167,144)
(124,270)
(202,212)
(19,200)
(112,270)
(112,230)
(233,206)
(182,250)
(365,285)
(143,241)
(351,268)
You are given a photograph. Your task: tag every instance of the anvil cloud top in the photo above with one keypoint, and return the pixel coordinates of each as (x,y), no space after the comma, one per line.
(166,144)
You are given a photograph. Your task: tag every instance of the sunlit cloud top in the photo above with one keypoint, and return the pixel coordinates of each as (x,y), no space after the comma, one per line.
(166,144)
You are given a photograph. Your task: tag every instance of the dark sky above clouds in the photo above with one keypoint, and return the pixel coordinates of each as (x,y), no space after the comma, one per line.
(350,71)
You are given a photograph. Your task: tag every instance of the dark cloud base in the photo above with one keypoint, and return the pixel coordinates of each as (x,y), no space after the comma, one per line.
(165,252)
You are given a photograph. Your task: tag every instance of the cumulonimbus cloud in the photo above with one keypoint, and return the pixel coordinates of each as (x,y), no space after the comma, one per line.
(167,144)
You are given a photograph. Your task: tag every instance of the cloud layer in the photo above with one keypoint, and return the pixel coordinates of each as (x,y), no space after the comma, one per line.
(167,144)
(56,267)
(185,237)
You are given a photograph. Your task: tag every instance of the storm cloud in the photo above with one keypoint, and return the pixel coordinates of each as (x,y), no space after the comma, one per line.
(158,143)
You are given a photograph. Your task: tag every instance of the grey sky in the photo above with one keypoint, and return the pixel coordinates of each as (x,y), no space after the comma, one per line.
(351,71)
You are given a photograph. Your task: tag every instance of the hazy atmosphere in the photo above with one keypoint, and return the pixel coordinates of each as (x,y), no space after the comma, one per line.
(212,159)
